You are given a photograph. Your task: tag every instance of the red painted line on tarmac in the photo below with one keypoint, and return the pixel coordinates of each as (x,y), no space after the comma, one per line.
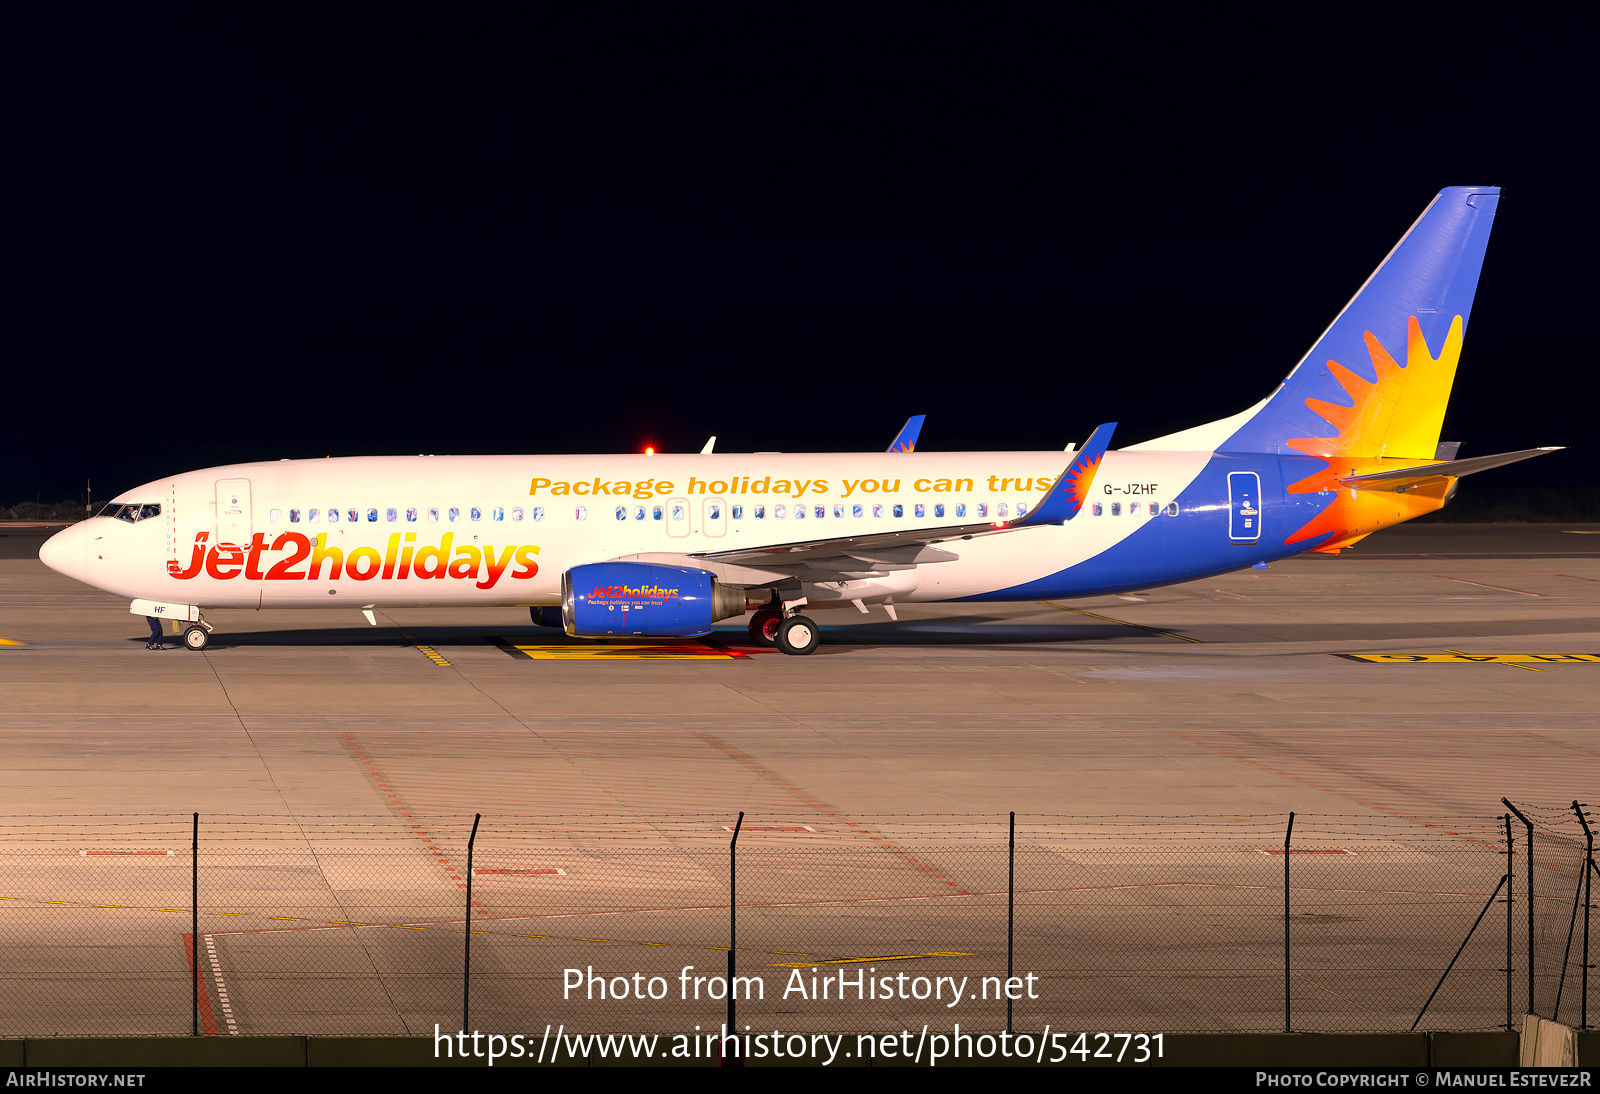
(208,1022)
(771,776)
(400,806)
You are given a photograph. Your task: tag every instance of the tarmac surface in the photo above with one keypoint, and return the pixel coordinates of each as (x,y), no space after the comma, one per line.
(1152,746)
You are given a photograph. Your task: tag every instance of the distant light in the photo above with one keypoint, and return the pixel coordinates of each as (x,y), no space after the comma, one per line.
(649,451)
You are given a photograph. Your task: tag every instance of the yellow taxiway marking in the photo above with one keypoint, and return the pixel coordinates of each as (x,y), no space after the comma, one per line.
(1453,657)
(427,651)
(1581,531)
(596,651)
(1123,622)
(10,642)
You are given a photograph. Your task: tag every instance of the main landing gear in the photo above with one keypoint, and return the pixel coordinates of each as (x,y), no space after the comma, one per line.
(793,634)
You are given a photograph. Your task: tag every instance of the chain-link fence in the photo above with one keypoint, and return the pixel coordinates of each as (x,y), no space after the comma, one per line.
(245,925)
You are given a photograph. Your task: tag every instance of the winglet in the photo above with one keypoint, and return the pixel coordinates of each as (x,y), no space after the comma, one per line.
(1071,489)
(906,439)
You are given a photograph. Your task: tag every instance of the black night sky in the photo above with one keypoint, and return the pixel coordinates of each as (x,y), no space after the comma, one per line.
(448,231)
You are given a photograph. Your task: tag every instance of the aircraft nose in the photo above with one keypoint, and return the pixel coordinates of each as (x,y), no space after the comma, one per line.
(67,553)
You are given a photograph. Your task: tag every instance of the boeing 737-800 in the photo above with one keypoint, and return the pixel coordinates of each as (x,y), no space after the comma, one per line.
(667,545)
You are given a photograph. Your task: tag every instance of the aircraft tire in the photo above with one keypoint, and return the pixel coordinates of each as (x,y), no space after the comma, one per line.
(798,635)
(195,638)
(764,627)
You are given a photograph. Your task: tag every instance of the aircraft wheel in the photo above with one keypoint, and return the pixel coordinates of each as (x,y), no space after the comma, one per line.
(764,627)
(195,638)
(798,635)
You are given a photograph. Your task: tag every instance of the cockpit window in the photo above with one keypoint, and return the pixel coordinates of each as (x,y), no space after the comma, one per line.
(130,513)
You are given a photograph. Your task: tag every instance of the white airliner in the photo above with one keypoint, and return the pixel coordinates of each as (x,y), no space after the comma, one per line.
(666,545)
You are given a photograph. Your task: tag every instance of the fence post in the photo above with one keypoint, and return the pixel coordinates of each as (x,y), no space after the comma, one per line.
(730,1030)
(466,958)
(1528,824)
(1011,913)
(1511,882)
(1588,892)
(194,927)
(1288,1026)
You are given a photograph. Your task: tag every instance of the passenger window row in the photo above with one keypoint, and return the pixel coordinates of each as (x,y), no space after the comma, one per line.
(392,515)
(1152,508)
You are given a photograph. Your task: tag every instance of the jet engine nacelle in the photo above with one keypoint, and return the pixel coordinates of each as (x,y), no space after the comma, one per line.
(644,599)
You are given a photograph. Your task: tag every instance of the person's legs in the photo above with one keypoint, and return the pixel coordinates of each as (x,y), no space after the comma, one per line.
(156,642)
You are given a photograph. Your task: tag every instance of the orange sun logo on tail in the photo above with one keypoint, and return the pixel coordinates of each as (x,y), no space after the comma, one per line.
(1398,416)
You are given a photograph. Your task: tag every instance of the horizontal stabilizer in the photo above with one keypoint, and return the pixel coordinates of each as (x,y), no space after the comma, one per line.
(1406,476)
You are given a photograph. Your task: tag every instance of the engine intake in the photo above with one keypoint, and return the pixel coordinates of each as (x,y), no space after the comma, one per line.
(644,599)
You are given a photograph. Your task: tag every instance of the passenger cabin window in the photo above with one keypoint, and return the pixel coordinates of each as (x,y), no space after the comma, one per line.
(372,516)
(311,516)
(455,515)
(499,513)
(983,509)
(1172,508)
(392,515)
(799,512)
(938,510)
(1116,508)
(819,511)
(294,516)
(737,511)
(715,512)
(761,512)
(838,512)
(475,513)
(856,511)
(273,515)
(777,512)
(581,513)
(622,513)
(1098,510)
(516,514)
(961,508)
(1001,510)
(656,513)
(538,513)
(638,512)
(411,516)
(877,510)
(920,510)
(333,516)
(1022,508)
(899,510)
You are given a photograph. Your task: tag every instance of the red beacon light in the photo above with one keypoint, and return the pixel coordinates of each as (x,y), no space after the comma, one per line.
(649,450)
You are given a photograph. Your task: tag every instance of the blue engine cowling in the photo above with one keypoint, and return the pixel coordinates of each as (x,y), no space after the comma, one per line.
(644,599)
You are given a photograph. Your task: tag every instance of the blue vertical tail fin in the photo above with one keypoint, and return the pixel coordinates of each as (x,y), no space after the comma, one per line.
(1376,382)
